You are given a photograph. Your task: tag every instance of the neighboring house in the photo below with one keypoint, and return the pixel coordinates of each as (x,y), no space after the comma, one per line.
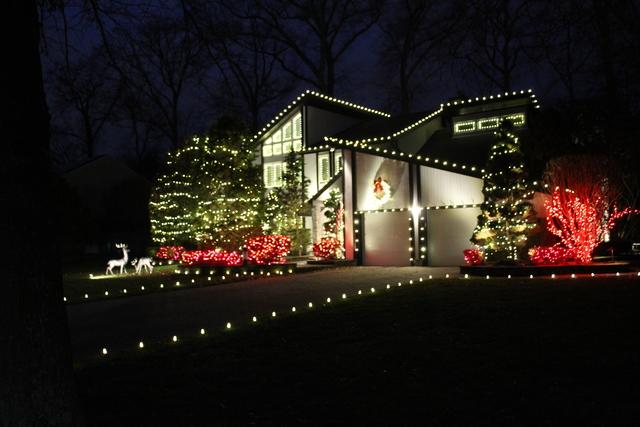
(411,184)
(110,200)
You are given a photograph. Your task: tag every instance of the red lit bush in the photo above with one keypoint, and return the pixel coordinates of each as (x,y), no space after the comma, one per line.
(211,258)
(327,248)
(271,249)
(170,252)
(473,257)
(551,255)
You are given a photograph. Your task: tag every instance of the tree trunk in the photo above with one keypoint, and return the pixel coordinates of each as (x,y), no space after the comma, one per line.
(36,375)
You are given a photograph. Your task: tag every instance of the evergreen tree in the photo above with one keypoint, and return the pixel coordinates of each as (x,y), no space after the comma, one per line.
(506,211)
(209,194)
(288,204)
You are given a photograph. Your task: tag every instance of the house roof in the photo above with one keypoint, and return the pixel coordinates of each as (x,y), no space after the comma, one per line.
(310,97)
(387,129)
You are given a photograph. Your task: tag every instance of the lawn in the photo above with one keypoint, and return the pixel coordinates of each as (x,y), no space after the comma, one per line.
(446,352)
(81,286)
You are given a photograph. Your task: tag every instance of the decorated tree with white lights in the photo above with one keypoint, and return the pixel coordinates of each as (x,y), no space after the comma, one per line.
(208,194)
(506,216)
(288,204)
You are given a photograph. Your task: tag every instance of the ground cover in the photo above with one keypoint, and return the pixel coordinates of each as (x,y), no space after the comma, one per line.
(445,352)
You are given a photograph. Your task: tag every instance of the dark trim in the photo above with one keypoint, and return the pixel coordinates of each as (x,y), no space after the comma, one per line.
(359,254)
(326,186)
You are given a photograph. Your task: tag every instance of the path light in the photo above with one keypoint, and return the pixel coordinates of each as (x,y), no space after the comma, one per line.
(140,344)
(104,350)
(202,331)
(174,339)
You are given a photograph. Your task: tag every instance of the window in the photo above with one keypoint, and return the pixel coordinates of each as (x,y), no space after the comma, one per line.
(324,172)
(337,160)
(284,139)
(486,123)
(273,174)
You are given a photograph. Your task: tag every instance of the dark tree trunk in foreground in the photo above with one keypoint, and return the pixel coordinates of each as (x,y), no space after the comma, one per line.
(36,376)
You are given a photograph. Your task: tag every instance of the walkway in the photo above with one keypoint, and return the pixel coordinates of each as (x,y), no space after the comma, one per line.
(122,323)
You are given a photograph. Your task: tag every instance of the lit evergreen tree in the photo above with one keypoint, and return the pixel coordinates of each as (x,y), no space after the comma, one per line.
(506,216)
(208,194)
(287,205)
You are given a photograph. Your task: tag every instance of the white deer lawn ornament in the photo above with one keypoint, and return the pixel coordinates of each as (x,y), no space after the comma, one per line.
(119,262)
(147,263)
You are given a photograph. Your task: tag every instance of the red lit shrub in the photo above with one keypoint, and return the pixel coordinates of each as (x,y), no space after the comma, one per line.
(327,247)
(551,255)
(211,258)
(271,249)
(473,257)
(170,252)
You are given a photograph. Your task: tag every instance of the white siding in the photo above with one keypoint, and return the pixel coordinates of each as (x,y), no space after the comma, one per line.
(394,172)
(440,188)
(386,240)
(448,234)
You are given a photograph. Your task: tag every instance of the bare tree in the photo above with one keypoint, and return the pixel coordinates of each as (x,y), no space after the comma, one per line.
(317,34)
(498,39)
(564,39)
(154,54)
(417,38)
(244,55)
(82,86)
(36,374)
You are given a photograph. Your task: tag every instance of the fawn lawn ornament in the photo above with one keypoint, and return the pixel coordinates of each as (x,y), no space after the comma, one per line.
(147,263)
(119,262)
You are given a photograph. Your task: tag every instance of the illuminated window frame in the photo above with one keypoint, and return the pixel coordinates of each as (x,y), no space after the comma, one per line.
(286,137)
(324,168)
(486,123)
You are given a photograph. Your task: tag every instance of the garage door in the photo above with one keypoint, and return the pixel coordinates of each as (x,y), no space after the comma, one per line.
(386,238)
(448,234)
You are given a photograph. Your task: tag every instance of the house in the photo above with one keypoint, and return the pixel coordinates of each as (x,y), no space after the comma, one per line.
(411,184)
(107,203)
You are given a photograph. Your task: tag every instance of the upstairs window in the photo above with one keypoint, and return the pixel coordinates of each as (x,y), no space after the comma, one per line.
(487,123)
(285,138)
(324,169)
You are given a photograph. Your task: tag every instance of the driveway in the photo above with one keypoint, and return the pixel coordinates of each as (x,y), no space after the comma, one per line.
(122,323)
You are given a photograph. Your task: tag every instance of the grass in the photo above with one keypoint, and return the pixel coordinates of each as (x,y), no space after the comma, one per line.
(78,283)
(450,352)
